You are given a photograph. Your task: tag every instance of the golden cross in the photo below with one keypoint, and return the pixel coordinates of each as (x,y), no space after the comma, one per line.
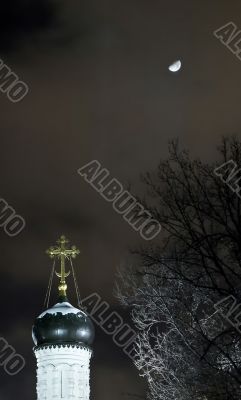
(62,253)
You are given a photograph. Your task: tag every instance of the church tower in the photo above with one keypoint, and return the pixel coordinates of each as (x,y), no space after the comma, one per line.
(63,336)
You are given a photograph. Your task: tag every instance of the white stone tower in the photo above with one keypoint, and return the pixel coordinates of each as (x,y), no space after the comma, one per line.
(62,336)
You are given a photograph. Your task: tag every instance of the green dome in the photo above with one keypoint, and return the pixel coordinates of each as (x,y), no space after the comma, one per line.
(62,324)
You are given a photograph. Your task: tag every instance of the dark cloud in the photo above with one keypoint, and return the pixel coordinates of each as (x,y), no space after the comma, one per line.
(23,20)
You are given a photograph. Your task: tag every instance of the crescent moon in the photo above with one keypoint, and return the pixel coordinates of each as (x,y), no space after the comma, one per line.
(66,274)
(174,67)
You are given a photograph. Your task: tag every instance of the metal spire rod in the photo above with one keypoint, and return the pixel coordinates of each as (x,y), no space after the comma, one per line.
(46,301)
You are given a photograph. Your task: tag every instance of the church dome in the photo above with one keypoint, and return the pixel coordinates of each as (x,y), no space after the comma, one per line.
(62,324)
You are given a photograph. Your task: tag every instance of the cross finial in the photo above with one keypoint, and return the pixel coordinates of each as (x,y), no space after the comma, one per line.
(61,252)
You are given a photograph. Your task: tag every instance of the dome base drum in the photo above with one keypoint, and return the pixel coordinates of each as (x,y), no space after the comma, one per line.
(63,372)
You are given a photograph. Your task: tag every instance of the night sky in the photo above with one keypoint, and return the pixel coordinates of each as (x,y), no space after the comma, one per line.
(99,88)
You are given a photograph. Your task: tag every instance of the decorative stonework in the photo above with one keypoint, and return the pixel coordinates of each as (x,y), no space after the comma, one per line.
(63,372)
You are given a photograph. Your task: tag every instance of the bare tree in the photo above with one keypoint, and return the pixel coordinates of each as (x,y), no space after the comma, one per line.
(185,348)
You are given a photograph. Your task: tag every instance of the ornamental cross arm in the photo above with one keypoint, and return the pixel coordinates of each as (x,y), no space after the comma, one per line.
(61,250)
